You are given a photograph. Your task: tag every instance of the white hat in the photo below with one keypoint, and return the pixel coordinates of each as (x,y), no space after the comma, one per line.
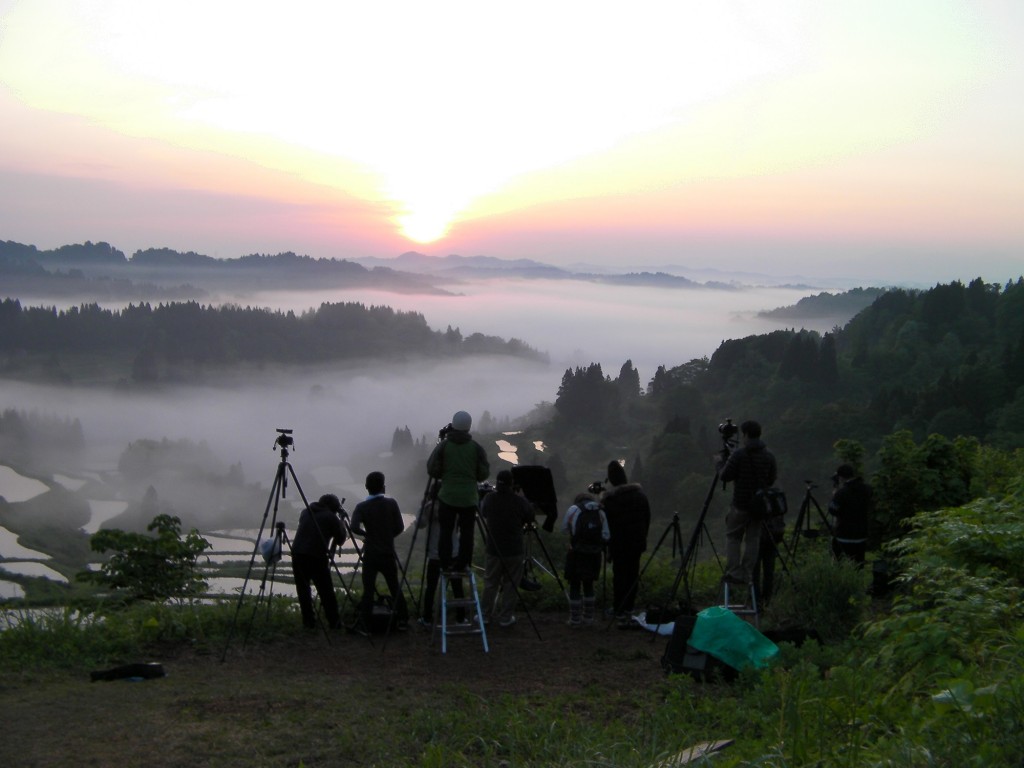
(462,421)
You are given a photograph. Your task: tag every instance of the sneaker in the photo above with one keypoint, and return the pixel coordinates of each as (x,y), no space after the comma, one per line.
(574,623)
(507,622)
(476,620)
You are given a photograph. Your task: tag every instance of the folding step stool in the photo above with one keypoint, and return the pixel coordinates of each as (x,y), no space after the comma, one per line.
(748,608)
(475,626)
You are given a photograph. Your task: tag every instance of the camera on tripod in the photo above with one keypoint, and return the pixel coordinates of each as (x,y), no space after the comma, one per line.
(284,438)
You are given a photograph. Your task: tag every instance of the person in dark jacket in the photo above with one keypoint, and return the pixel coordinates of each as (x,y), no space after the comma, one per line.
(505,512)
(629,518)
(749,468)
(460,463)
(851,507)
(378,520)
(319,534)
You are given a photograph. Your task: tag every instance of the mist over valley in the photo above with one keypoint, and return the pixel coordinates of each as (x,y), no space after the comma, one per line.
(222,429)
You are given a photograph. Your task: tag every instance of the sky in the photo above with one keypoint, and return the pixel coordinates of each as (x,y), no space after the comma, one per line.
(807,136)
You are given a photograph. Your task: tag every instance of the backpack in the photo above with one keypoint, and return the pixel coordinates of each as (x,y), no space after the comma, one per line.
(769,503)
(587,534)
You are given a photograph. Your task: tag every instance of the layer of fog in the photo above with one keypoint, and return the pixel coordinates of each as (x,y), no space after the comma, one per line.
(341,415)
(578,322)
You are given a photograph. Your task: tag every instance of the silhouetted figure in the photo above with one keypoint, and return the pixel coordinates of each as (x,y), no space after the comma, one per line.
(851,508)
(750,467)
(319,534)
(460,463)
(505,512)
(378,520)
(629,518)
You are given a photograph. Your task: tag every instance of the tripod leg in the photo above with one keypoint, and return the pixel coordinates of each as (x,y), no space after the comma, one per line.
(273,500)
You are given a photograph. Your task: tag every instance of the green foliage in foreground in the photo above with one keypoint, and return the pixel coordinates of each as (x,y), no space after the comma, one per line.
(150,567)
(937,678)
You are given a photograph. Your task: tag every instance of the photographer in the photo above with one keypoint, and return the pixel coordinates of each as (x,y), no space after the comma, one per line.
(587,526)
(851,507)
(505,512)
(459,462)
(629,518)
(750,467)
(378,520)
(319,534)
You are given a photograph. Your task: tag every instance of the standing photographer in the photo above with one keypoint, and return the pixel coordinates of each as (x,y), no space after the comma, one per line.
(587,526)
(851,507)
(749,467)
(378,520)
(459,462)
(505,512)
(319,534)
(629,518)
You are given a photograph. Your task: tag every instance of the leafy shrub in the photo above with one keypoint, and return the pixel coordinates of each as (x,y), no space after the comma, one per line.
(147,567)
(820,593)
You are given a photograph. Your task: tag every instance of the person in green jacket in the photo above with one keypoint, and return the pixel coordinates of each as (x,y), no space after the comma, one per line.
(460,463)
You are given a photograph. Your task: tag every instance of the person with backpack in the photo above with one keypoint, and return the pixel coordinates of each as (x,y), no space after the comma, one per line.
(587,526)
(505,513)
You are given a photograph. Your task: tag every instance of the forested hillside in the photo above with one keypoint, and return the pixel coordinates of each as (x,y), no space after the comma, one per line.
(178,340)
(948,361)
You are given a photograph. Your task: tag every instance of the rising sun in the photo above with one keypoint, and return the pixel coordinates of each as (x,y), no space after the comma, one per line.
(423,227)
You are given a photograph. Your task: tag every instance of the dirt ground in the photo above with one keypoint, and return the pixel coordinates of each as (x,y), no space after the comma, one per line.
(539,652)
(310,699)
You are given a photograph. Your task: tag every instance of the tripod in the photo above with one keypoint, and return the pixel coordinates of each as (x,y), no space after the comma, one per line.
(531,531)
(803,519)
(763,576)
(278,491)
(688,564)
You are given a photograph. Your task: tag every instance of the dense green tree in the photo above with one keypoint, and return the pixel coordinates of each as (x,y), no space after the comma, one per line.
(150,567)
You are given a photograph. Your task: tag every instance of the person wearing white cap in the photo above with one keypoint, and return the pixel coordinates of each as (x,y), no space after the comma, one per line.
(460,463)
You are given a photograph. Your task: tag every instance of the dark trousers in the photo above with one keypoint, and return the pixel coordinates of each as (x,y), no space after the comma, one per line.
(314,569)
(851,550)
(625,580)
(375,564)
(449,517)
(430,591)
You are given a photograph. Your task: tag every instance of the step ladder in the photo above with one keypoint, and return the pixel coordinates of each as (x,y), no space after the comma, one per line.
(469,605)
(748,608)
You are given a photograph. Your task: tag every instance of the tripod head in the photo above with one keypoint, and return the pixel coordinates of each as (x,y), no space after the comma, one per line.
(284,440)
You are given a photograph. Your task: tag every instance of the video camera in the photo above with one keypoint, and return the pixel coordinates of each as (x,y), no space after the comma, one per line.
(284,439)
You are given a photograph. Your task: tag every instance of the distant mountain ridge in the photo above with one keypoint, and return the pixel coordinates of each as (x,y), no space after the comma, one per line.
(99,271)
